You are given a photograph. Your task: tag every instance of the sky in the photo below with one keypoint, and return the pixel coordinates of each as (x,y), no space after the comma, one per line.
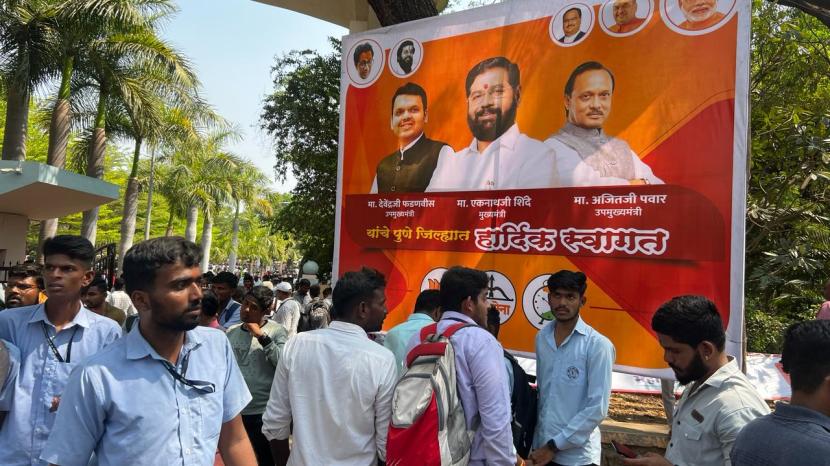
(232,44)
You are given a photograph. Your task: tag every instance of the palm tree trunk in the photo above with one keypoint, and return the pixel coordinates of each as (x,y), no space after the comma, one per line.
(192,221)
(169,231)
(130,207)
(95,165)
(17,120)
(150,195)
(58,140)
(234,239)
(207,238)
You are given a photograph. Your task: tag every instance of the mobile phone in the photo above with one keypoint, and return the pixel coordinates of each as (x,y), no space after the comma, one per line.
(623,450)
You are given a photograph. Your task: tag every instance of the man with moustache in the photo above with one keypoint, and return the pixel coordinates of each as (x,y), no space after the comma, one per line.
(571,25)
(573,373)
(53,337)
(585,155)
(363,58)
(169,391)
(500,156)
(625,16)
(406,56)
(718,401)
(335,383)
(410,168)
(25,285)
(699,14)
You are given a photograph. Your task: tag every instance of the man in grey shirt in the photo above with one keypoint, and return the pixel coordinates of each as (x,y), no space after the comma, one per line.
(796,433)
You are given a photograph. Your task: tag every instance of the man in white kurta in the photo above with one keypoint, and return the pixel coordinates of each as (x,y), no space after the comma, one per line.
(500,156)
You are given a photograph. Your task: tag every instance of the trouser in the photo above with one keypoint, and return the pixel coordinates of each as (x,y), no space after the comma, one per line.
(262,450)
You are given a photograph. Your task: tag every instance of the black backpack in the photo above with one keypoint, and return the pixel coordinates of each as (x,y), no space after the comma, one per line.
(523,405)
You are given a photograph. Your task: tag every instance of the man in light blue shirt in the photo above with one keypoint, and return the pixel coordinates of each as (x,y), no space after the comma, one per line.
(53,338)
(427,311)
(224,284)
(573,373)
(167,393)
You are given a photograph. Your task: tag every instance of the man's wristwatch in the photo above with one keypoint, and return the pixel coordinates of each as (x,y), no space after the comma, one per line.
(264,340)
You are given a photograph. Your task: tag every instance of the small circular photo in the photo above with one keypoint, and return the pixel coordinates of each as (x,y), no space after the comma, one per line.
(365,62)
(620,18)
(695,17)
(571,25)
(405,57)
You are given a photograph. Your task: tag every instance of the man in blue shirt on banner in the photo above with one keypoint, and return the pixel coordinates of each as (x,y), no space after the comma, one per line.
(574,364)
(53,338)
(168,392)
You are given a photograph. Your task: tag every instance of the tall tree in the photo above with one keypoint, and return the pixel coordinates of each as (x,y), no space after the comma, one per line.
(247,186)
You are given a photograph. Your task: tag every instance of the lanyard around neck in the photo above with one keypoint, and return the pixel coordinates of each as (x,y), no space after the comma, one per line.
(51,342)
(198,385)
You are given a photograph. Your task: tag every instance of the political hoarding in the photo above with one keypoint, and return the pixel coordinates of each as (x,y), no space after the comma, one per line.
(522,138)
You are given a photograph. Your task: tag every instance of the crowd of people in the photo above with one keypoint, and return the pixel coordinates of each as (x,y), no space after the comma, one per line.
(177,367)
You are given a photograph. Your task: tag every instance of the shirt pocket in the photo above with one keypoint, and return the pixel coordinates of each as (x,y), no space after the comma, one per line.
(208,414)
(572,372)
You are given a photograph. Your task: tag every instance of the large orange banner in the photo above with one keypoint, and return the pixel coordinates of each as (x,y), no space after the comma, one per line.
(528,137)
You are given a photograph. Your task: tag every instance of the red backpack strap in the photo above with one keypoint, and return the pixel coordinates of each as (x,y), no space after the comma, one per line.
(450,331)
(428,330)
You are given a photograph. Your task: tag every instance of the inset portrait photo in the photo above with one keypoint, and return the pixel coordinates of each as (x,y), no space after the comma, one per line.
(571,25)
(622,18)
(365,63)
(694,17)
(405,57)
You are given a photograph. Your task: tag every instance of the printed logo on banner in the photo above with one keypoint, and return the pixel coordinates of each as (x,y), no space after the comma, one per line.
(432,280)
(502,294)
(535,302)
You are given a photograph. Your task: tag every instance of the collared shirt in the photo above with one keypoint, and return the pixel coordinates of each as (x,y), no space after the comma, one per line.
(570,39)
(445,151)
(336,384)
(230,315)
(303,299)
(42,377)
(397,338)
(603,157)
(124,405)
(482,388)
(9,369)
(512,161)
(709,416)
(257,362)
(121,300)
(791,436)
(574,390)
(288,315)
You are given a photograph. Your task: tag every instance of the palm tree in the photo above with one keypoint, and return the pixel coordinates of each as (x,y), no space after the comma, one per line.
(27,37)
(248,183)
(78,23)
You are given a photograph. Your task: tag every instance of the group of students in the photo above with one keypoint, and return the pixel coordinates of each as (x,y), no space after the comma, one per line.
(170,391)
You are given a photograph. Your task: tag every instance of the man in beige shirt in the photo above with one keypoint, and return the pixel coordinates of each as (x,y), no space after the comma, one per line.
(718,401)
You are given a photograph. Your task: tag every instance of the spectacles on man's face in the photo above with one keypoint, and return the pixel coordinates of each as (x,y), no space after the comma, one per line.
(363,63)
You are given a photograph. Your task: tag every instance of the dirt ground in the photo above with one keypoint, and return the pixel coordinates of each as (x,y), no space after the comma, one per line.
(632,407)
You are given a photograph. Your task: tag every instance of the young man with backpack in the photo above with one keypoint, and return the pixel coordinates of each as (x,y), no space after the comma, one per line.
(573,370)
(480,380)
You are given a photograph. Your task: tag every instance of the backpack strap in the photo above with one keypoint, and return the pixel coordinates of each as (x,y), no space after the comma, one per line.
(428,330)
(450,331)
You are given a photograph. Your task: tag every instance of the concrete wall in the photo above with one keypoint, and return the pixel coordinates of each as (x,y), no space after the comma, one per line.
(13,230)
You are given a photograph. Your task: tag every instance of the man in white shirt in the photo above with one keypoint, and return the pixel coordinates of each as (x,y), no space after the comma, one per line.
(500,156)
(288,312)
(585,155)
(120,299)
(335,383)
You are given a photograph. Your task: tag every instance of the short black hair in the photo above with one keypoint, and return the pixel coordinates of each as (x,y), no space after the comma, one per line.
(26,270)
(75,247)
(406,43)
(97,282)
(144,259)
(568,280)
(690,320)
(411,89)
(578,11)
(495,62)
(806,354)
(304,281)
(362,48)
(262,295)
(226,278)
(314,290)
(584,68)
(210,303)
(247,277)
(238,293)
(118,284)
(327,291)
(354,287)
(428,301)
(459,283)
